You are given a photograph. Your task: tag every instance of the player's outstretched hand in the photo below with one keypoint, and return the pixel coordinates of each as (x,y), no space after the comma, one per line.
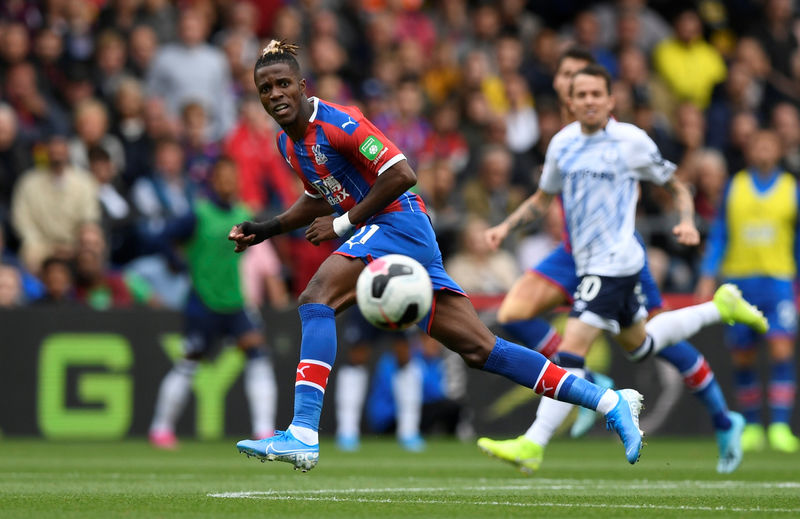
(686,233)
(242,241)
(320,230)
(496,235)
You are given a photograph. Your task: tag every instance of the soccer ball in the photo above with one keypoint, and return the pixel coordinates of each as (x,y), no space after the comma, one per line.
(394,292)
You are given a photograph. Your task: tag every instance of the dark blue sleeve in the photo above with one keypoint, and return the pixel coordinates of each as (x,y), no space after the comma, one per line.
(717,239)
(180,228)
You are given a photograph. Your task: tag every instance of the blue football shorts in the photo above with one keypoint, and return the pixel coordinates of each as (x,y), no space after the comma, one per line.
(776,298)
(407,233)
(204,328)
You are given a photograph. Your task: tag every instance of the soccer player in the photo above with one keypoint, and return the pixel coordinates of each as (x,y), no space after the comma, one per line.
(215,310)
(349,167)
(551,283)
(754,244)
(595,164)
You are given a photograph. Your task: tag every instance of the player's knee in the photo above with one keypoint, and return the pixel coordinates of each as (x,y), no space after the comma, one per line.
(312,294)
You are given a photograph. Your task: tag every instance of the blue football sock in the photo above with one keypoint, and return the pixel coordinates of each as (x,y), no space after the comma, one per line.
(748,393)
(700,380)
(536,334)
(317,354)
(527,367)
(782,391)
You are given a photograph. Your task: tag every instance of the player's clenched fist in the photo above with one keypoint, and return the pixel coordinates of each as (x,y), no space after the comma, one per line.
(320,230)
(496,235)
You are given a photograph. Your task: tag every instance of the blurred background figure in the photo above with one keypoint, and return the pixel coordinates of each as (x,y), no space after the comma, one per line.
(754,244)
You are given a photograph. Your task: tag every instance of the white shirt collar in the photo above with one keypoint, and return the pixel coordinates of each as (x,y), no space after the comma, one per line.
(315,101)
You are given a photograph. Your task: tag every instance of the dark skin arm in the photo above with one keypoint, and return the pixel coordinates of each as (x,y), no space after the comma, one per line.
(389,185)
(302,212)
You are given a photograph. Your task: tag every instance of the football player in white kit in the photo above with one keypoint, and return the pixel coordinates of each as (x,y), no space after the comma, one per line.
(595,164)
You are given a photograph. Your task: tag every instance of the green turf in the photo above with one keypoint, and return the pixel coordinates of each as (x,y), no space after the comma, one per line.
(588,478)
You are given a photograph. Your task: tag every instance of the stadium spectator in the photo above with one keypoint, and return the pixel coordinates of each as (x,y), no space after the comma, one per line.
(522,128)
(407,127)
(109,61)
(786,122)
(709,174)
(116,213)
(741,94)
(48,50)
(130,129)
(91,128)
(58,280)
(200,151)
(192,70)
(477,268)
(491,196)
(687,63)
(11,295)
(777,34)
(98,286)
(37,115)
(586,33)
(31,286)
(265,183)
(143,44)
(652,27)
(162,17)
(15,157)
(742,128)
(15,46)
(49,203)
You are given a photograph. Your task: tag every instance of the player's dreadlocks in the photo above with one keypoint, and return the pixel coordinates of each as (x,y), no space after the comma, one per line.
(278,51)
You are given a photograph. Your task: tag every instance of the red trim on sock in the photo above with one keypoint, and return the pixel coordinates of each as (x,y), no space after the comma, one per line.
(311,373)
(749,397)
(781,394)
(551,344)
(698,376)
(550,379)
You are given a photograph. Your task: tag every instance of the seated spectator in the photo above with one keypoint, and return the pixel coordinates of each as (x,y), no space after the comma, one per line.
(49,203)
(91,127)
(109,61)
(116,213)
(143,44)
(59,283)
(37,115)
(445,141)
(131,130)
(688,64)
(709,174)
(11,295)
(31,286)
(192,70)
(786,122)
(491,196)
(477,268)
(97,285)
(15,157)
(265,180)
(200,151)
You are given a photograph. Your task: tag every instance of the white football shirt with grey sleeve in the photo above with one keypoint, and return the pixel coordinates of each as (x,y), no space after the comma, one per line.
(597,176)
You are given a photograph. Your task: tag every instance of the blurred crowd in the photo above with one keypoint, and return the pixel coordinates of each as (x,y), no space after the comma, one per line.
(114,112)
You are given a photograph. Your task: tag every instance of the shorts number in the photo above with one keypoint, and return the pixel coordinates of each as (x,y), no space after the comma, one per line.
(589,288)
(363,234)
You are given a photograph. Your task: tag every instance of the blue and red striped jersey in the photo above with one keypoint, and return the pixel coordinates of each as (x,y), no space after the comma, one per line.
(341,156)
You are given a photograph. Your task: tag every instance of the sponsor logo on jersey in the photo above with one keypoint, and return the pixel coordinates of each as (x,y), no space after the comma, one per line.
(319,157)
(331,189)
(370,147)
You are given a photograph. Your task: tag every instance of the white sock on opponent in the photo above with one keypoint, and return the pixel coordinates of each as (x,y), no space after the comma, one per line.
(407,391)
(667,328)
(262,394)
(550,415)
(172,395)
(351,391)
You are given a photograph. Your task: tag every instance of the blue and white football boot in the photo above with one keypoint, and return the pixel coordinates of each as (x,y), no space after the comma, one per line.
(730,444)
(624,420)
(282,447)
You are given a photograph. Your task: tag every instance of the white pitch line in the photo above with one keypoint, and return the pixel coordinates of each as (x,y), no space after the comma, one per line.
(252,495)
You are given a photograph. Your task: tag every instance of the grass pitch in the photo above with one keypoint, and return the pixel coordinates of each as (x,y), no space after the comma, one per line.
(587,478)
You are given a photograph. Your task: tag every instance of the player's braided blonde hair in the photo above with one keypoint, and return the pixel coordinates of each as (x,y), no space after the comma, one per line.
(278,51)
